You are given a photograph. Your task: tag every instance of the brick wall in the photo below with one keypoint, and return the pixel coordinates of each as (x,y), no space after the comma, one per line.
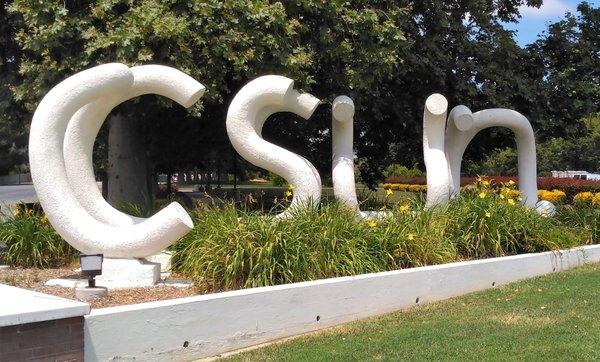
(55,340)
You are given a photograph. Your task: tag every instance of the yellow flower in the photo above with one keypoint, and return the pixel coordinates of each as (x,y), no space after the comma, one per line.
(583,198)
(288,193)
(404,208)
(482,195)
(502,196)
(410,237)
(16,212)
(511,201)
(371,223)
(485,183)
(554,196)
(290,187)
(488,214)
(511,182)
(389,192)
(596,199)
(44,219)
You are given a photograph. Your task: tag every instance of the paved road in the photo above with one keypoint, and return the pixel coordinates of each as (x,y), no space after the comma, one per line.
(18,193)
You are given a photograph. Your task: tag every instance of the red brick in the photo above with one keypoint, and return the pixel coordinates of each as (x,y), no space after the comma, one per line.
(45,351)
(60,340)
(17,356)
(8,330)
(36,325)
(70,321)
(70,357)
(6,347)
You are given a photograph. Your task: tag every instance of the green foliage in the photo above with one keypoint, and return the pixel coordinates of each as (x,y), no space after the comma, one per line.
(498,162)
(585,217)
(32,242)
(494,227)
(373,51)
(231,249)
(13,130)
(328,48)
(401,170)
(276,180)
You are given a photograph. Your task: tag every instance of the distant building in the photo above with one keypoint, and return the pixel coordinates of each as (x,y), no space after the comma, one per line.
(579,175)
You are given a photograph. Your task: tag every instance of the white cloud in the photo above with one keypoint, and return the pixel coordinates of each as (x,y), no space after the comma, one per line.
(550,8)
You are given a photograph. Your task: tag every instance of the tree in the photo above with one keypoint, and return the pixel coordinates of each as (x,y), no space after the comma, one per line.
(570,55)
(387,55)
(459,49)
(13,130)
(565,106)
(327,47)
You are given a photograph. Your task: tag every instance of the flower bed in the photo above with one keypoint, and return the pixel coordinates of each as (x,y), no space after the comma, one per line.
(231,248)
(551,188)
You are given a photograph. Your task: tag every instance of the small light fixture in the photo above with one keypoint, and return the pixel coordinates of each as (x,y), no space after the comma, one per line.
(91,265)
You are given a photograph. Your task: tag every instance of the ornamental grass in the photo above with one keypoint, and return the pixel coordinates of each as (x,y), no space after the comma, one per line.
(31,241)
(231,248)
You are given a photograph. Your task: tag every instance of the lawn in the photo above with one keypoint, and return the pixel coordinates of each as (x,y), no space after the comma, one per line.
(554,317)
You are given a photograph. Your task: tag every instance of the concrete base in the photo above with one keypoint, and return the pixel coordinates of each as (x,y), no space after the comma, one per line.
(87,294)
(164,259)
(119,274)
(128,273)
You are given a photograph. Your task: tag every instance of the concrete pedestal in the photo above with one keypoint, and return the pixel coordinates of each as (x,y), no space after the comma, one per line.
(128,273)
(86,294)
(164,259)
(118,274)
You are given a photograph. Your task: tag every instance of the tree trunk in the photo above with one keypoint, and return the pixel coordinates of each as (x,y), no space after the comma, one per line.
(128,172)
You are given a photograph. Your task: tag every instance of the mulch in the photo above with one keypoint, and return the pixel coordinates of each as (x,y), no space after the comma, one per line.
(34,279)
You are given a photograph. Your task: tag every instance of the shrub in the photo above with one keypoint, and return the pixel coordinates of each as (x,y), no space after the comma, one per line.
(584,217)
(162,191)
(583,199)
(417,188)
(276,180)
(231,249)
(568,185)
(32,242)
(400,170)
(554,196)
(596,199)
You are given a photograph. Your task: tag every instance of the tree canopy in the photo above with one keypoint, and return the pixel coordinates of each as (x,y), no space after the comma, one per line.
(387,55)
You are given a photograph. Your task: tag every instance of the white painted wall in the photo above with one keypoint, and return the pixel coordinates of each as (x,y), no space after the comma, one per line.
(216,323)
(21,306)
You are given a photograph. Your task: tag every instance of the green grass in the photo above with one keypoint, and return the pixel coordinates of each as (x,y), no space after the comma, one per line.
(554,317)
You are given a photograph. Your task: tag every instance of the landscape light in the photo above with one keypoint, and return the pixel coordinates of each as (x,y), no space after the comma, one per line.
(91,265)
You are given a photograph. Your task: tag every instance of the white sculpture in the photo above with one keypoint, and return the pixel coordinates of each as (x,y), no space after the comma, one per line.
(464,125)
(48,171)
(444,144)
(246,115)
(434,125)
(342,135)
(342,170)
(545,208)
(85,125)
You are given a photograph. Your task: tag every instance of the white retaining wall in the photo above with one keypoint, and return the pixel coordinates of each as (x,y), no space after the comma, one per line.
(207,325)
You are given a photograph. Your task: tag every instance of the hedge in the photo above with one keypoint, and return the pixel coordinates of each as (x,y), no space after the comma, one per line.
(570,186)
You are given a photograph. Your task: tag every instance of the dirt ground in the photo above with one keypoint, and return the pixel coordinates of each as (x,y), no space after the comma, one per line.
(34,279)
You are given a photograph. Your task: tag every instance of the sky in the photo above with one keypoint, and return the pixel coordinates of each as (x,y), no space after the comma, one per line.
(535,20)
